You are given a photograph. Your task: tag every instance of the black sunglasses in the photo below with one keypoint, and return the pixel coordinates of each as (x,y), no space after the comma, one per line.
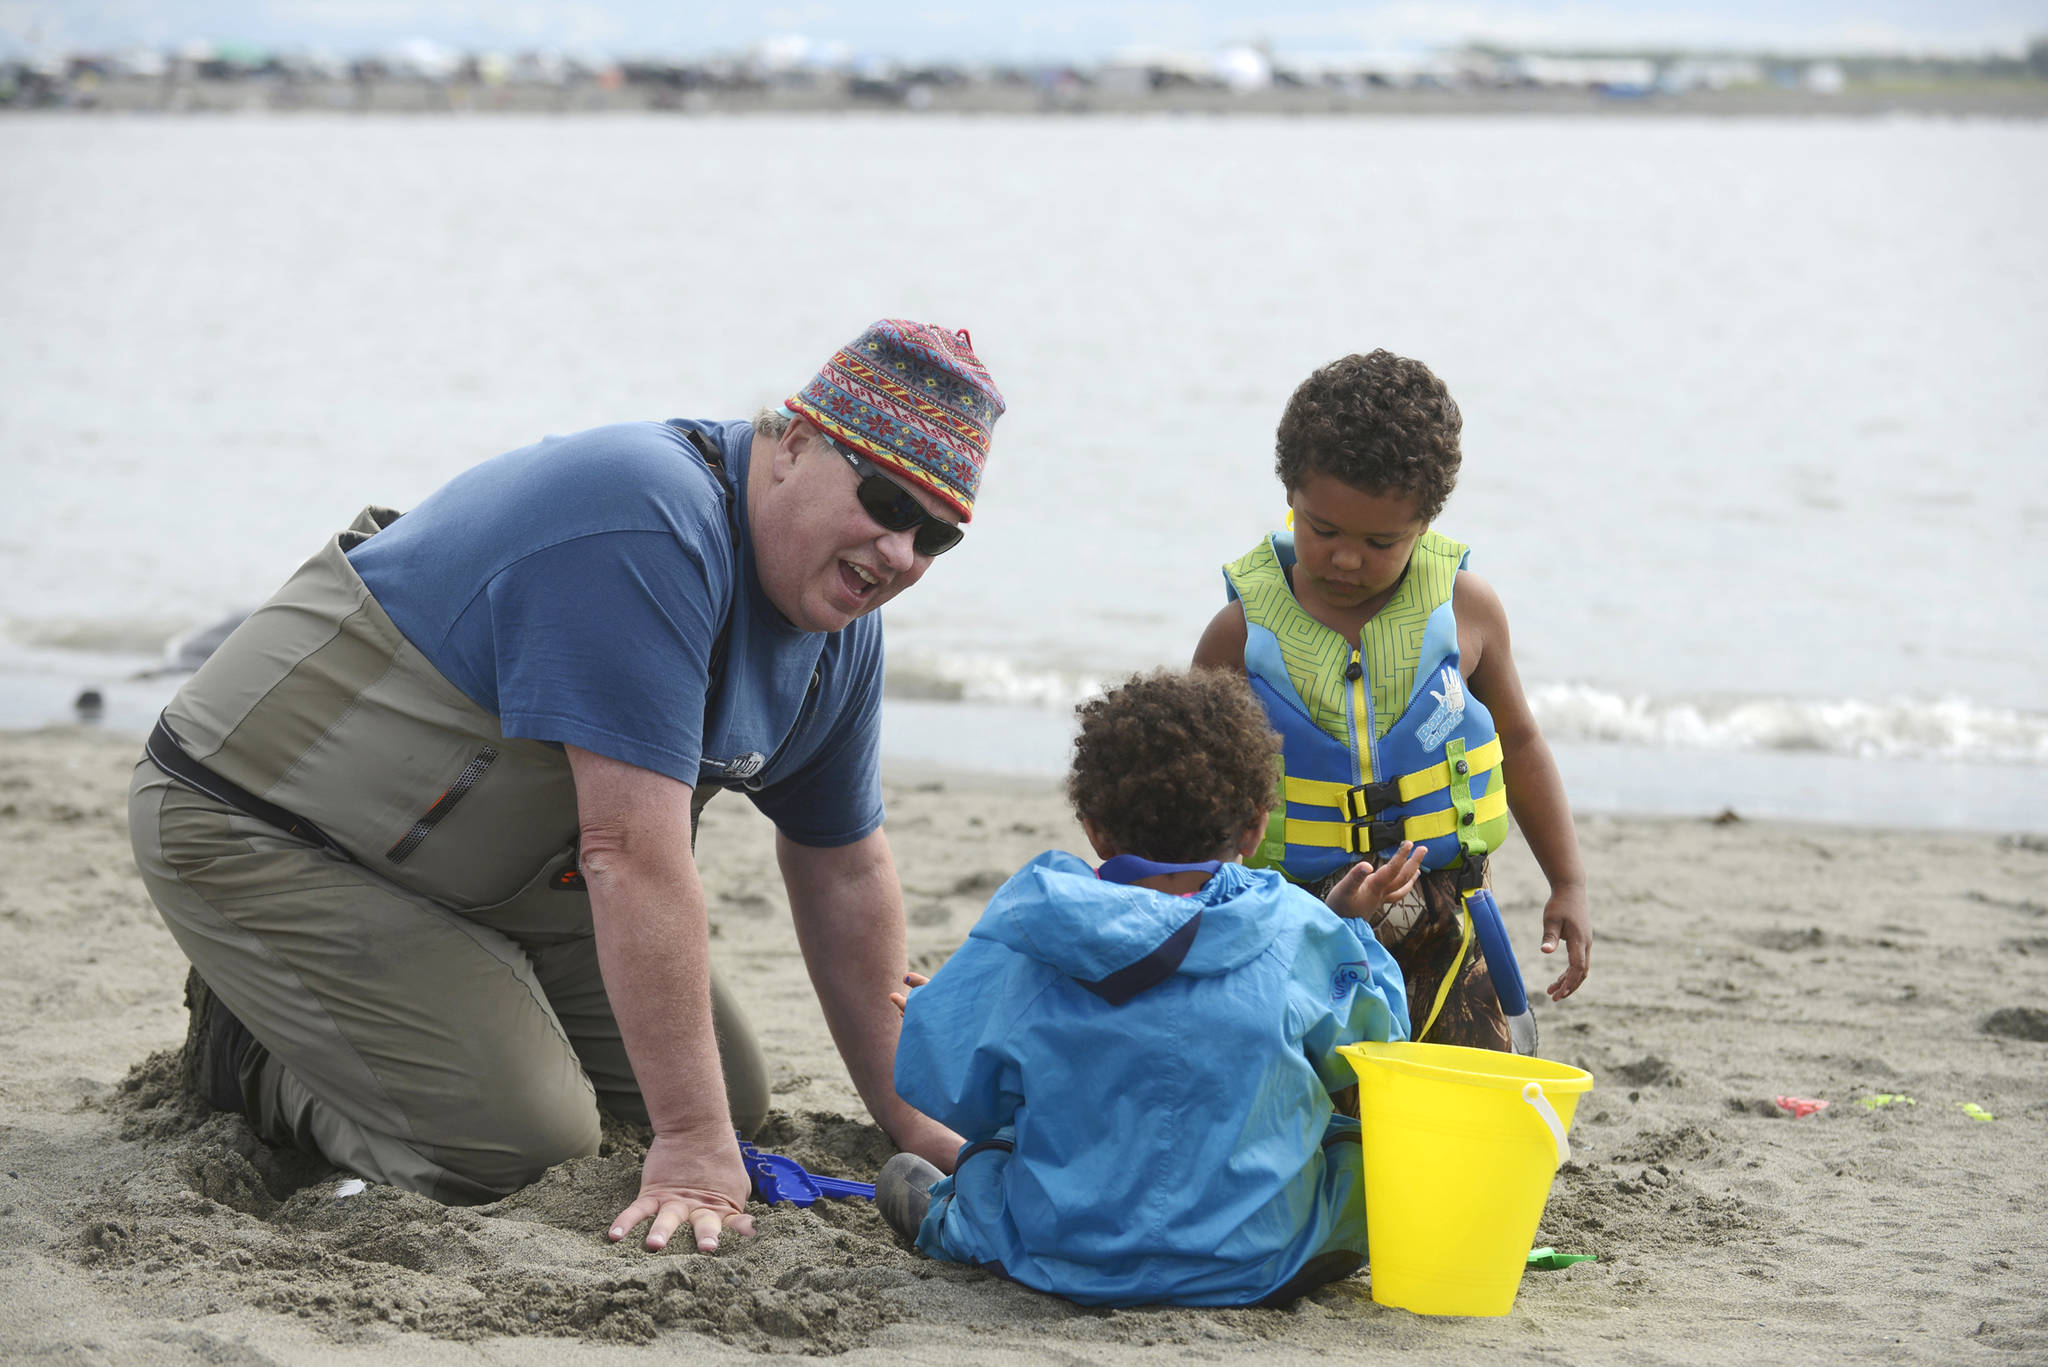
(892,507)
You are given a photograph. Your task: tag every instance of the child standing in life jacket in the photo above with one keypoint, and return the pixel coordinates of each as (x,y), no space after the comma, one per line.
(1385,665)
(1143,1057)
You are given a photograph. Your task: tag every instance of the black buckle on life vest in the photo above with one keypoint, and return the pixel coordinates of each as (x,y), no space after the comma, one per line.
(1472,873)
(1369,837)
(1368,800)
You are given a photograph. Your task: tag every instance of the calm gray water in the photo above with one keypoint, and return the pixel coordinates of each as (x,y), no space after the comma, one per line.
(1755,409)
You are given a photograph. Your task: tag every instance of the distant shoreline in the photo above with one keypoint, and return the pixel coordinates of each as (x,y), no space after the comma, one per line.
(259,95)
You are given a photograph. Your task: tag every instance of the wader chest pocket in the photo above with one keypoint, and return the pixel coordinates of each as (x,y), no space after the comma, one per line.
(472,774)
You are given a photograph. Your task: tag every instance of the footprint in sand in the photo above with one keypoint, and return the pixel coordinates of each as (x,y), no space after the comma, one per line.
(2018,1022)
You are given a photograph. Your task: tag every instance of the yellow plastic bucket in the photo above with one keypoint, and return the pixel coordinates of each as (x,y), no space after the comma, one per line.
(1460,1148)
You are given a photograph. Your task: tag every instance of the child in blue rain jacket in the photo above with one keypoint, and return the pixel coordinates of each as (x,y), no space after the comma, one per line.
(1142,1058)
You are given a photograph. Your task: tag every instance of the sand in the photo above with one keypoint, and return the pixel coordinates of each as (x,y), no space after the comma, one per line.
(1735,962)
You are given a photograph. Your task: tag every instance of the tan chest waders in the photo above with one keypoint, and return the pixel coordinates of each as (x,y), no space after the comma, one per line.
(384,889)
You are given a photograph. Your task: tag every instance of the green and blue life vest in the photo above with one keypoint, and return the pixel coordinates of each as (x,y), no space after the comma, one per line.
(1380,742)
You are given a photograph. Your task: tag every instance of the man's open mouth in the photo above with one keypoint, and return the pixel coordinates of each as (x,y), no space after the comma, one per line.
(859,582)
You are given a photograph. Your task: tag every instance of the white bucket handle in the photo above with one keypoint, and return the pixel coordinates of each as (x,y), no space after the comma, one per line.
(1533,1094)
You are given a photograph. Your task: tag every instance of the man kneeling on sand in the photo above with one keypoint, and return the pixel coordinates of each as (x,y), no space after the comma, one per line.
(424,823)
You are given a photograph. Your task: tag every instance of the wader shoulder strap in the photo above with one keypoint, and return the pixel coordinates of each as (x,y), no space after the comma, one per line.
(714,460)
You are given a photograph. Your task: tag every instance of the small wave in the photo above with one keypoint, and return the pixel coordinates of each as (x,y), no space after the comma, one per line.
(178,647)
(99,636)
(1902,728)
(1947,729)
(987,679)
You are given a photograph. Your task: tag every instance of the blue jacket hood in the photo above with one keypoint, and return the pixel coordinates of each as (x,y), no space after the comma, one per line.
(1117,939)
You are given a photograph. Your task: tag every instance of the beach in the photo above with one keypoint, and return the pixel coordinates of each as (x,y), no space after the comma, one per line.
(1735,961)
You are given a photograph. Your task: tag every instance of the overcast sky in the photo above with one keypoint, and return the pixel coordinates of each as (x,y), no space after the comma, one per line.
(1080,30)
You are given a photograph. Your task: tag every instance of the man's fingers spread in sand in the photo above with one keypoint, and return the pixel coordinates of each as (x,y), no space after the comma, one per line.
(705,1222)
(681,1179)
(629,1217)
(632,1215)
(709,1223)
(672,1215)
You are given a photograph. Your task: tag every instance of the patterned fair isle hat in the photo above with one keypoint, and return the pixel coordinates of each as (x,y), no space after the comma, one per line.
(913,398)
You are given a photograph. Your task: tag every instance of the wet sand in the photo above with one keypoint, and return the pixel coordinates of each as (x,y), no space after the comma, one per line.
(1734,962)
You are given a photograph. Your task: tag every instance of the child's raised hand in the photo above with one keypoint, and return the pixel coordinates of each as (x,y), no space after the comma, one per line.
(902,999)
(1363,890)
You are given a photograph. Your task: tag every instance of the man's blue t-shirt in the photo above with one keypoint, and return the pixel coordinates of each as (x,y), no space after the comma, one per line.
(575,589)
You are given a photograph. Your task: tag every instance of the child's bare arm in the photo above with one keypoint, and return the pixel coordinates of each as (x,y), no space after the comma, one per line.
(1222,643)
(1535,790)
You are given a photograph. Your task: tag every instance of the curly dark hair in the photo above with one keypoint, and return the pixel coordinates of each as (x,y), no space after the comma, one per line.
(1379,422)
(1174,766)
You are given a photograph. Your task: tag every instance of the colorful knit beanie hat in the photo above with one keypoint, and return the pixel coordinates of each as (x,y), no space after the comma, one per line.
(913,398)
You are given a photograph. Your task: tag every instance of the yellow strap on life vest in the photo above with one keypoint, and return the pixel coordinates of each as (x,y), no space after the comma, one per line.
(1437,777)
(1443,990)
(1319,793)
(1361,717)
(1338,834)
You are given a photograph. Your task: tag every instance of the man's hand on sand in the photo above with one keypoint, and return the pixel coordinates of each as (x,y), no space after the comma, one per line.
(1565,914)
(684,1182)
(1363,890)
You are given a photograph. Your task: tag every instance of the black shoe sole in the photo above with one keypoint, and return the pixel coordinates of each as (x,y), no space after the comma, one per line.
(903,1192)
(216,1043)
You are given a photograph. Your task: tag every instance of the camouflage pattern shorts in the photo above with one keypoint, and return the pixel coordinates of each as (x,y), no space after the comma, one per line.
(1422,931)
